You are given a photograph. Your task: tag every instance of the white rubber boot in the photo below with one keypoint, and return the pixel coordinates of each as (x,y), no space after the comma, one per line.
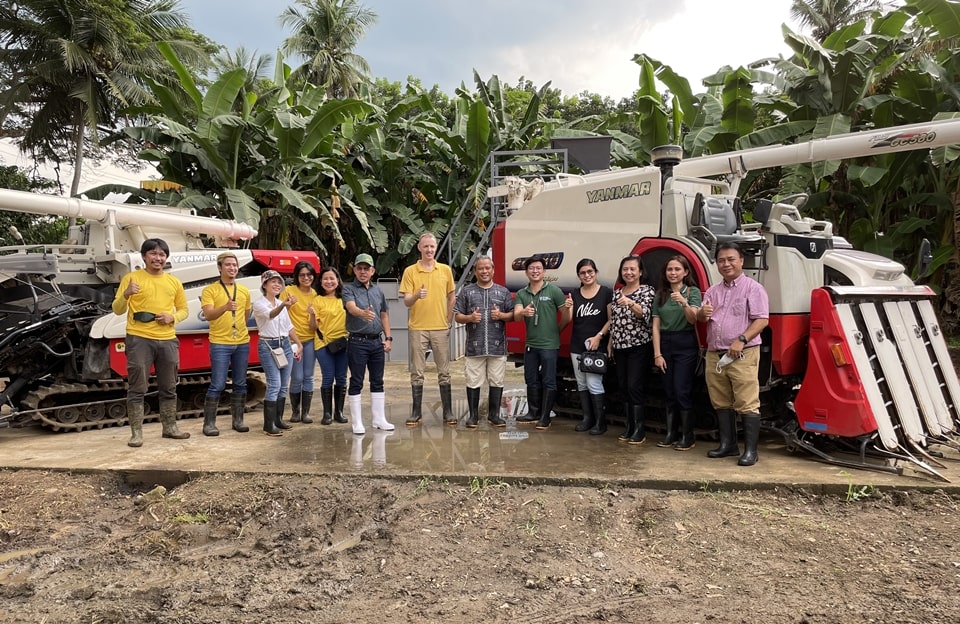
(378,410)
(356,414)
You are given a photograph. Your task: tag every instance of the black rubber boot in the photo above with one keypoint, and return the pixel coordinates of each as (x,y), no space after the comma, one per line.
(473,407)
(494,397)
(306,399)
(270,418)
(339,397)
(295,407)
(416,409)
(639,432)
(727,425)
(281,404)
(210,405)
(631,424)
(751,436)
(600,411)
(533,406)
(672,426)
(687,440)
(326,397)
(237,406)
(549,396)
(586,406)
(446,400)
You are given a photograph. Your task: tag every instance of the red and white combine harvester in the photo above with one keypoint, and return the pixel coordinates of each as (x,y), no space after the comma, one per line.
(854,367)
(62,356)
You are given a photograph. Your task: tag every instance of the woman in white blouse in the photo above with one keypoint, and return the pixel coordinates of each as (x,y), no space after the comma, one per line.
(276,336)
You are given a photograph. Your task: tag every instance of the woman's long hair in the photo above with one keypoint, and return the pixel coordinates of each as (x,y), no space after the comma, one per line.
(663,292)
(303,264)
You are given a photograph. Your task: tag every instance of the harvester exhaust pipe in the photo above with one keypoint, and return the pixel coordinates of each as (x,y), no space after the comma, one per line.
(666,157)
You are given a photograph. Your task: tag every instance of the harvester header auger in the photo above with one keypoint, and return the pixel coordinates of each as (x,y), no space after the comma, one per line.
(853,365)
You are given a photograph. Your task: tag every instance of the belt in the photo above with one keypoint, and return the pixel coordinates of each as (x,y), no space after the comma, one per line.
(276,340)
(366,336)
(728,348)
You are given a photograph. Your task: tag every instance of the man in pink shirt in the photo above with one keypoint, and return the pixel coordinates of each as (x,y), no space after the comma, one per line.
(736,310)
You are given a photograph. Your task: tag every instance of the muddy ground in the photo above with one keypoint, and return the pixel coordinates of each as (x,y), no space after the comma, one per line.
(89,548)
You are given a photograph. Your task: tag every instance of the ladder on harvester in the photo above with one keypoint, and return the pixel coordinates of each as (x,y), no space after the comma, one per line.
(471,230)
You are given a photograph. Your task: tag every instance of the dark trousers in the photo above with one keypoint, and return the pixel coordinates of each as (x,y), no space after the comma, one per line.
(362,355)
(163,356)
(633,364)
(680,351)
(540,368)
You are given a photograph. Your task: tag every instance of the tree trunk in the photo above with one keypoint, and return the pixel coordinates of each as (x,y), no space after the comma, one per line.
(78,157)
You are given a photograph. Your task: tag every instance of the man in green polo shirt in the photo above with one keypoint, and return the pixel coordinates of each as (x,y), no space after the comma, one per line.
(537,304)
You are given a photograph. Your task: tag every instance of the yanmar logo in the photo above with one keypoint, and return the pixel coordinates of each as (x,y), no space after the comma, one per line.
(896,139)
(624,191)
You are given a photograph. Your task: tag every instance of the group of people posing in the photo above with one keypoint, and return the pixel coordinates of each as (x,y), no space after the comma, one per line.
(321,320)
(637,327)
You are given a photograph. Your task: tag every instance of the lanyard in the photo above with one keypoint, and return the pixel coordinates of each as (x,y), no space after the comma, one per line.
(234,299)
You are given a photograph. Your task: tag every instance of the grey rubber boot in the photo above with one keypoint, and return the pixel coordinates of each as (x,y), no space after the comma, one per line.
(237,406)
(210,405)
(168,418)
(135,416)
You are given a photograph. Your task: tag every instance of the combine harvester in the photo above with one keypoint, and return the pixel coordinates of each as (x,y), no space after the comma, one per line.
(62,348)
(854,368)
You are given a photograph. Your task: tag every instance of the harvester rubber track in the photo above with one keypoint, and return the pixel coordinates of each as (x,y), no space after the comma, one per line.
(82,406)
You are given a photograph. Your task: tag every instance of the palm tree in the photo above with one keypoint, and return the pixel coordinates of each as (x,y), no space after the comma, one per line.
(325,32)
(69,66)
(826,16)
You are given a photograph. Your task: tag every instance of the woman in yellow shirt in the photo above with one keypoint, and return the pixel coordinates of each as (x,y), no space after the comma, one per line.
(301,376)
(328,319)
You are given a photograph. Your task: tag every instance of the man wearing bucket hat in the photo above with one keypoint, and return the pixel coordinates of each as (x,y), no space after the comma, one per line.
(368,323)
(153,302)
(226,306)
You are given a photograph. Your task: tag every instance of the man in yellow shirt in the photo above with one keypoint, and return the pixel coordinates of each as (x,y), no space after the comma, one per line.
(428,290)
(153,302)
(226,306)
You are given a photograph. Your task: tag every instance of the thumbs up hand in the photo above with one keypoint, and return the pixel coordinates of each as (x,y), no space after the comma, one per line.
(569,301)
(132,289)
(422,293)
(476,317)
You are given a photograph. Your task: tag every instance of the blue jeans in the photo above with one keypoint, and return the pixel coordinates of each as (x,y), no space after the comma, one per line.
(277,378)
(365,354)
(333,367)
(540,368)
(591,382)
(223,358)
(301,373)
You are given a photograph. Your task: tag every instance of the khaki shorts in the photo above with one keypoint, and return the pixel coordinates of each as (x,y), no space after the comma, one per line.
(487,368)
(737,386)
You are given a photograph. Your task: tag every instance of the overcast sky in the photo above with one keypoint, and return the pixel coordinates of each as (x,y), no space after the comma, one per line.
(578,45)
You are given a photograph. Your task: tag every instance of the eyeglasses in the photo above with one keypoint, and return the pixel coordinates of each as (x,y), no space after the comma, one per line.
(727,260)
(587,272)
(303,275)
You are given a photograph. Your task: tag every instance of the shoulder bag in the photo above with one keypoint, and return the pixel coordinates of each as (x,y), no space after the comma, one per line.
(593,362)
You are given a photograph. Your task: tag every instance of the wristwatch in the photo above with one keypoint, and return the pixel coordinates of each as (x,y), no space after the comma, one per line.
(742,339)
(389,338)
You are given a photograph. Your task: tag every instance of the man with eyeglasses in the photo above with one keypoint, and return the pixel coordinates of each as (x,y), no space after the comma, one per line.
(368,324)
(736,311)
(227,307)
(537,305)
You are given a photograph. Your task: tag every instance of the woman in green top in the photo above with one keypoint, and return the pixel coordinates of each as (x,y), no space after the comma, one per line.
(676,348)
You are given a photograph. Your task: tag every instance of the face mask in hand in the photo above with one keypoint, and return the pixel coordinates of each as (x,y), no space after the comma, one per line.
(726,360)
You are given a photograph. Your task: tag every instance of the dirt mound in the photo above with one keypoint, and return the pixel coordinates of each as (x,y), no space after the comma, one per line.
(259,549)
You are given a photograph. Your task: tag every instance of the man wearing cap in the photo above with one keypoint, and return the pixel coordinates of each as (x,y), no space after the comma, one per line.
(226,306)
(368,324)
(153,302)
(428,290)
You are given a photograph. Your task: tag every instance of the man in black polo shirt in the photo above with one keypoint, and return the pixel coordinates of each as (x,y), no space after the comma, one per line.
(368,323)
